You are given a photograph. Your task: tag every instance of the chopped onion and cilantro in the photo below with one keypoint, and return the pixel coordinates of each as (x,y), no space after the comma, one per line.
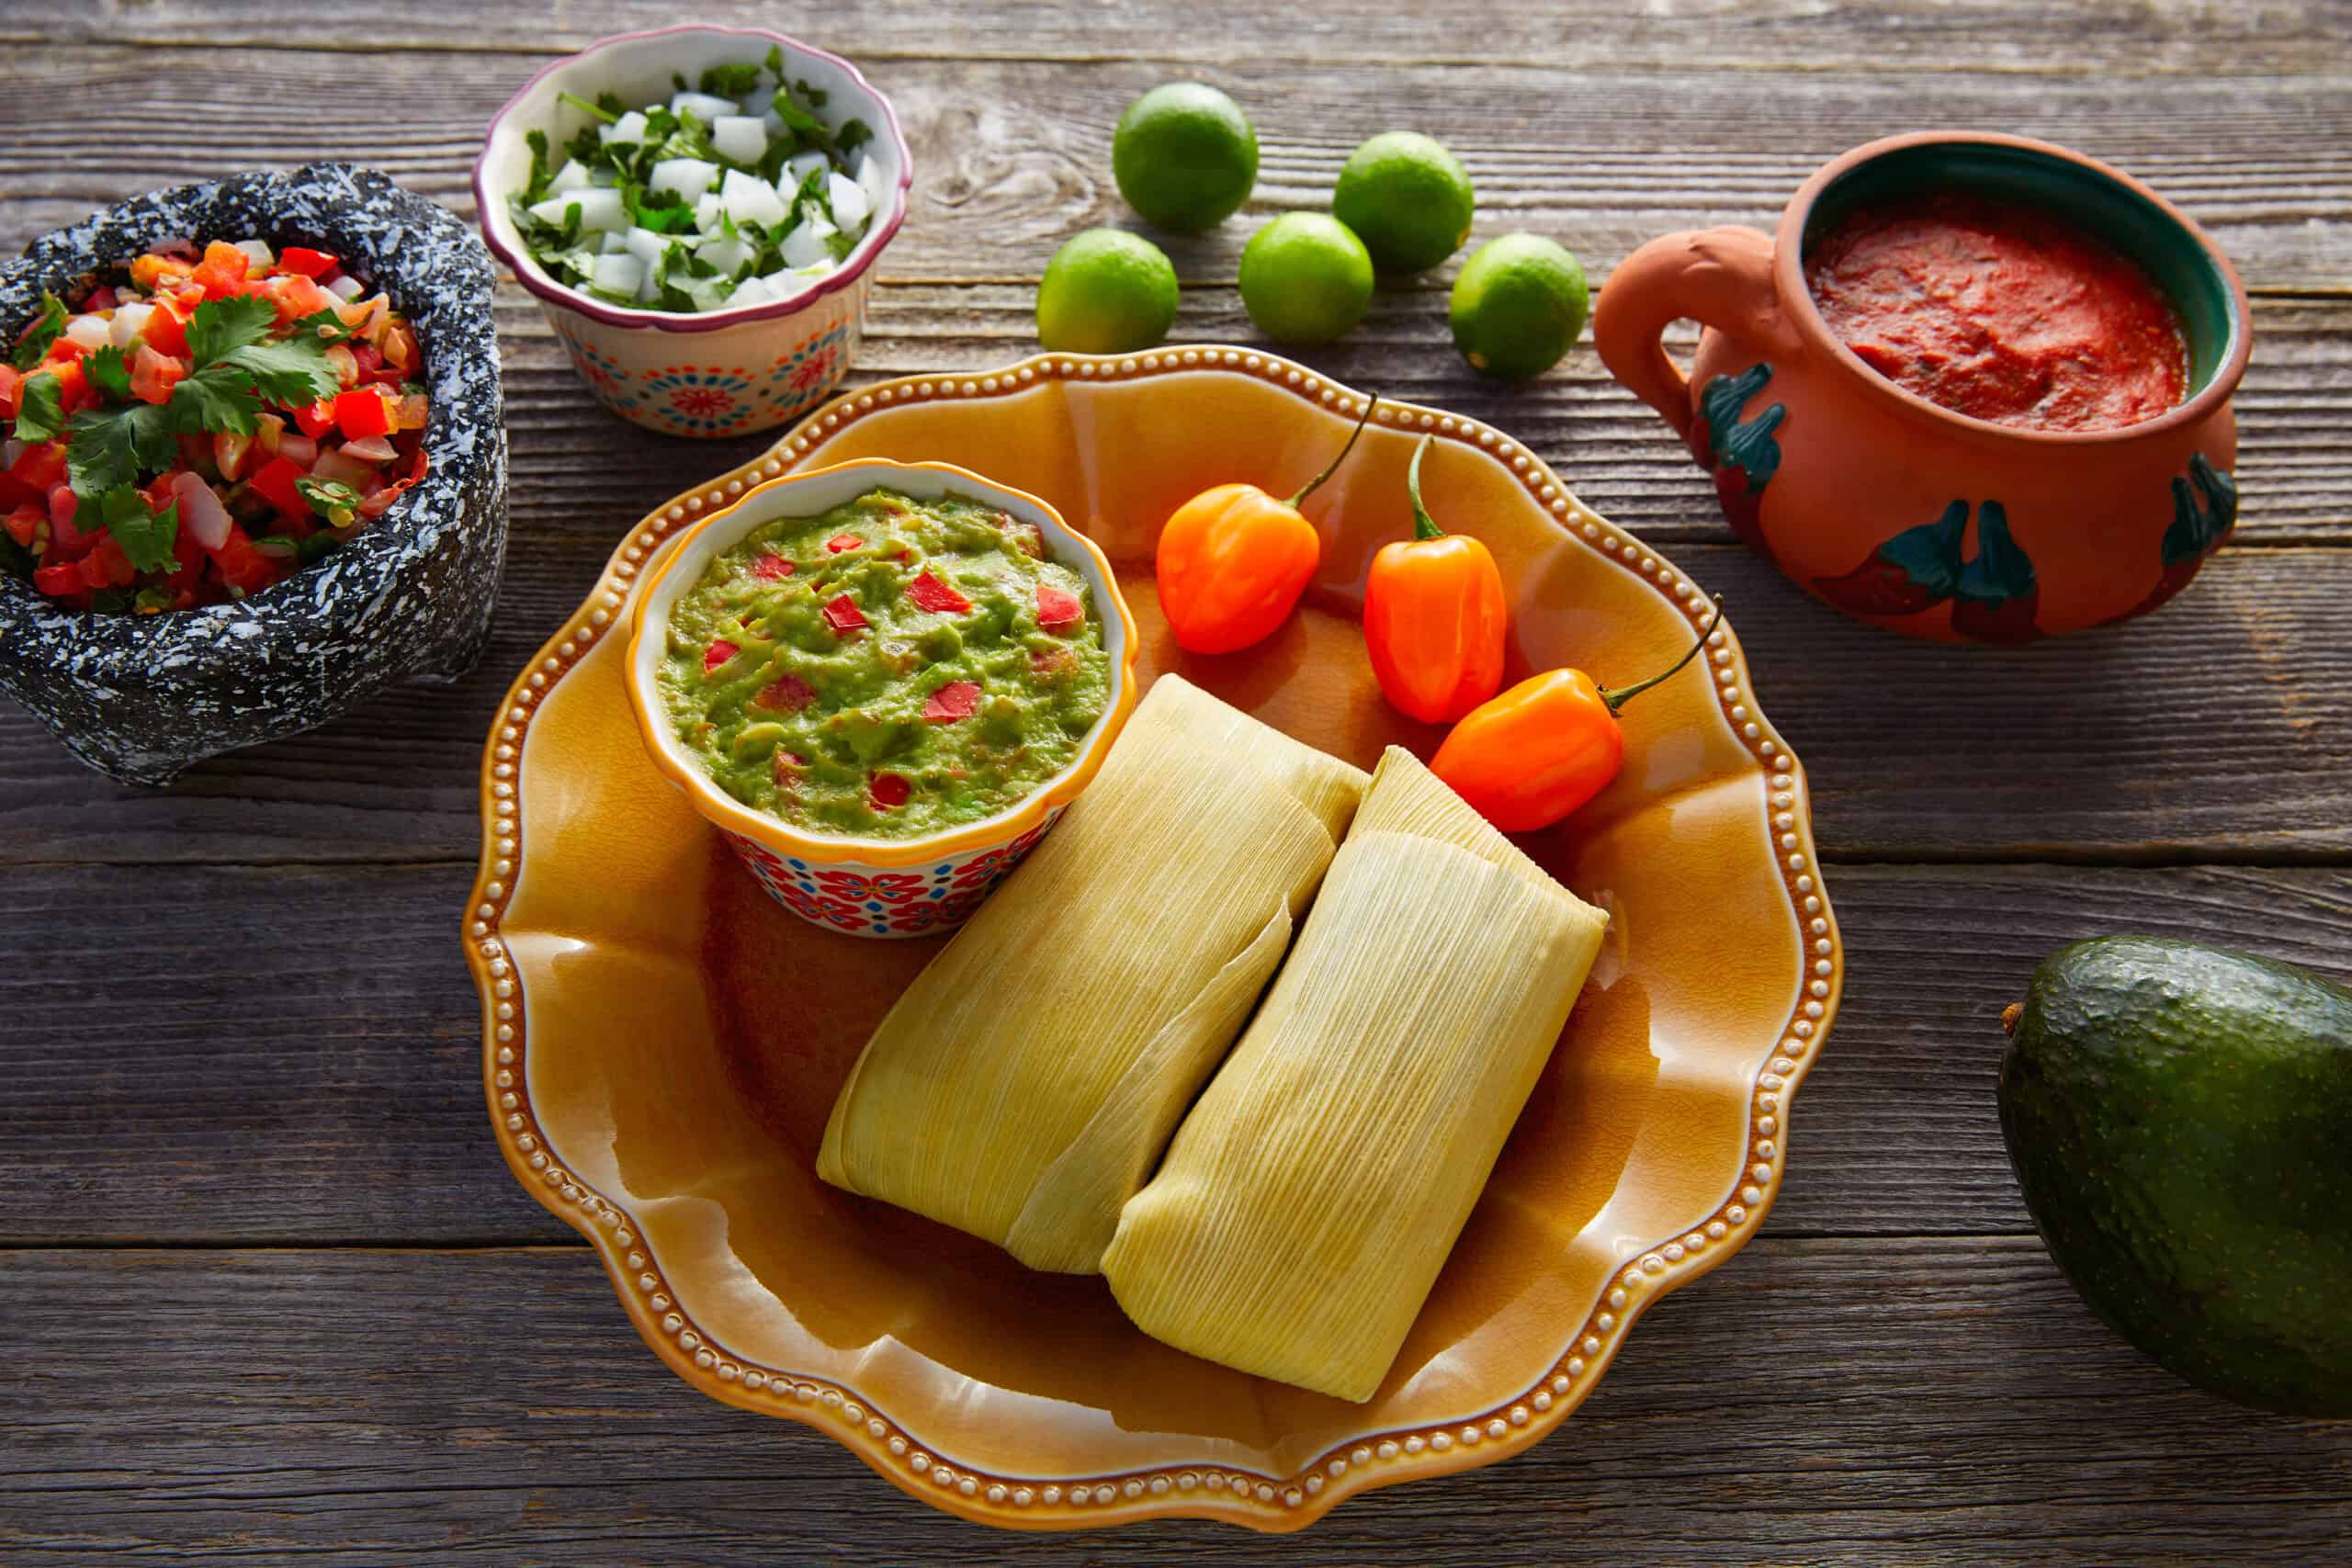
(203,426)
(733,193)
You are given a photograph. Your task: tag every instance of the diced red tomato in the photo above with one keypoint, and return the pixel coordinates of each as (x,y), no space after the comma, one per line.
(11,379)
(23,524)
(307,262)
(318,419)
(400,347)
(931,594)
(74,389)
(241,565)
(153,374)
(1048,664)
(298,297)
(66,542)
(890,791)
(224,270)
(772,566)
(363,412)
(229,452)
(1058,608)
(61,580)
(840,542)
(41,465)
(106,567)
(719,654)
(274,482)
(952,702)
(843,615)
(166,328)
(62,504)
(788,693)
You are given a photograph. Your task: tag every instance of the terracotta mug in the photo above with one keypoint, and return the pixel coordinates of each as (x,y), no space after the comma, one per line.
(1904,513)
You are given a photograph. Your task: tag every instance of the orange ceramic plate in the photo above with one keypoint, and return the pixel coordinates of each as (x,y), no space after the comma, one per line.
(661,1043)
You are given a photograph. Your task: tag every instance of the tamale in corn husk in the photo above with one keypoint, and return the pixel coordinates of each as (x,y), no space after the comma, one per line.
(1026,1084)
(1310,1198)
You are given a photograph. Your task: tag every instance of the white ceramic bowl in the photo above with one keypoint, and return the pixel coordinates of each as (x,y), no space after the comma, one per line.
(714,373)
(875,887)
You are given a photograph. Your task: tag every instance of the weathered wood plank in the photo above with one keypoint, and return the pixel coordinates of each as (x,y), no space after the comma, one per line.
(2213,729)
(494,1407)
(333,1032)
(2109,36)
(1012,157)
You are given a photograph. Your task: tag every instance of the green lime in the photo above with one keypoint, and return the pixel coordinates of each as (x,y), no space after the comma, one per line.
(1518,306)
(1408,199)
(1304,278)
(1185,156)
(1106,291)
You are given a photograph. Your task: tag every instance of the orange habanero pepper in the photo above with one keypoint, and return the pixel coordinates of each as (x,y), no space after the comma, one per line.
(1233,560)
(1542,748)
(1434,617)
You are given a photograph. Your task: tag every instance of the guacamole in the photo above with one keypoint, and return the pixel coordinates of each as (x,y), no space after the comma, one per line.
(891,668)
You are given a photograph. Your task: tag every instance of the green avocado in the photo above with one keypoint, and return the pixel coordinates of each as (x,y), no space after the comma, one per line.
(2180,1119)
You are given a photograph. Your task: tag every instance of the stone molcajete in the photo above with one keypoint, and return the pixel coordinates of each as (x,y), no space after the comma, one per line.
(139,697)
(1903,513)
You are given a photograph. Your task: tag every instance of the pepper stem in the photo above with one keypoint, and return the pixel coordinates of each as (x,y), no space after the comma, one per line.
(1619,697)
(1370,403)
(1424,526)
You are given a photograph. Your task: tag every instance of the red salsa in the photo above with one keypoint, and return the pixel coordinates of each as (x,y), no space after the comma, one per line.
(2001,312)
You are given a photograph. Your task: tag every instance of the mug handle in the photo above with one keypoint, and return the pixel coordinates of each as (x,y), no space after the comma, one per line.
(1720,278)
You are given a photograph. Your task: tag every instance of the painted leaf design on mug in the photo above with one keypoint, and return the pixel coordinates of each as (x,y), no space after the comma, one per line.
(1997,596)
(1742,455)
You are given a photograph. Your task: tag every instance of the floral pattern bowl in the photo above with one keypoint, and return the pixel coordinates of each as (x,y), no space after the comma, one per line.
(873,887)
(718,373)
(660,1045)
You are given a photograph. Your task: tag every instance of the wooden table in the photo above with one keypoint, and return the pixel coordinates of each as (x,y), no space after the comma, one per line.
(266,1290)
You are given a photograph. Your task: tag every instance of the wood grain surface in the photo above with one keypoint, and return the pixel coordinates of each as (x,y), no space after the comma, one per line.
(266,1291)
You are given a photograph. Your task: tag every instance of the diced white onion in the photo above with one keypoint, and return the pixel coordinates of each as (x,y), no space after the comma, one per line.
(601,210)
(614,242)
(570,177)
(90,332)
(872,180)
(805,246)
(619,274)
(345,287)
(201,513)
(772,124)
(706,210)
(647,246)
(750,198)
(801,166)
(130,321)
(729,257)
(704,107)
(630,128)
(750,291)
(688,176)
(738,137)
(849,202)
(553,209)
(259,252)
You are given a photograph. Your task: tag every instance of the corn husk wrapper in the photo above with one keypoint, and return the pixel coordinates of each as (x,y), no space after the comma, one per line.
(1310,1199)
(1024,1085)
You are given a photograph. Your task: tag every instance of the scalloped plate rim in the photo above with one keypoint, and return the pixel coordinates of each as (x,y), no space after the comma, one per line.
(1267,1504)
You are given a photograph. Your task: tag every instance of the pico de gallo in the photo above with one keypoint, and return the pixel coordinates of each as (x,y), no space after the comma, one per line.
(202,424)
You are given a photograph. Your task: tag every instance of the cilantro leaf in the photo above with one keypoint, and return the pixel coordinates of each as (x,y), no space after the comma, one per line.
(41,412)
(776,62)
(220,397)
(294,372)
(219,327)
(331,498)
(730,81)
(609,116)
(796,118)
(659,210)
(109,448)
(42,334)
(853,134)
(144,534)
(327,326)
(538,141)
(108,372)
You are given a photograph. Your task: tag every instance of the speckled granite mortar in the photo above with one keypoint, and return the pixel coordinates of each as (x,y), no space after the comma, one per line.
(139,697)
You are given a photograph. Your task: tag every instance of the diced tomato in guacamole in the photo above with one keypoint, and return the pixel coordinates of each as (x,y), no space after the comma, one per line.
(891,668)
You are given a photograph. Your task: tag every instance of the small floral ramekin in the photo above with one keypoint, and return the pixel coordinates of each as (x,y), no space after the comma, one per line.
(873,887)
(716,372)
